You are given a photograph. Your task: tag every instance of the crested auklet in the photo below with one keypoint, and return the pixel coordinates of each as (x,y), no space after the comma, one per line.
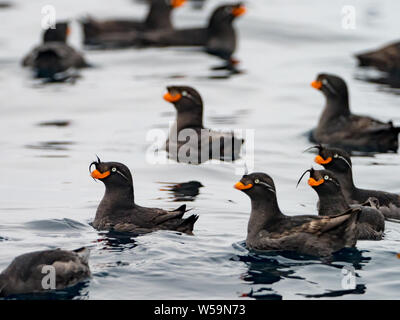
(339,163)
(371,222)
(188,140)
(118,211)
(385,59)
(26,272)
(270,229)
(54,56)
(158,18)
(338,127)
(218,38)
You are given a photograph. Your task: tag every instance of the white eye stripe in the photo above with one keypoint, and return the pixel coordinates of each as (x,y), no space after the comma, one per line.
(344,159)
(119,172)
(336,156)
(269,187)
(328,178)
(115,170)
(188,95)
(329,86)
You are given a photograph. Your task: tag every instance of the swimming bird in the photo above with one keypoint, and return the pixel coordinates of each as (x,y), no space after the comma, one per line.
(218,38)
(118,211)
(385,59)
(189,141)
(26,272)
(270,229)
(338,127)
(339,163)
(158,18)
(371,222)
(54,56)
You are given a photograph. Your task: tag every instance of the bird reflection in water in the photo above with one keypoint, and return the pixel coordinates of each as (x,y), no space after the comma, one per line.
(185,191)
(268,268)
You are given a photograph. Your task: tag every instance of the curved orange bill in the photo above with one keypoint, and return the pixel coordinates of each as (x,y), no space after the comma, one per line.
(68,31)
(98,175)
(172,98)
(314,183)
(316,84)
(239,11)
(320,160)
(398,255)
(177,3)
(241,186)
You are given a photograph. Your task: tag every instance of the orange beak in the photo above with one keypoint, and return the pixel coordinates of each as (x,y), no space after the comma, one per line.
(170,98)
(68,31)
(320,160)
(98,175)
(241,186)
(177,3)
(398,255)
(314,183)
(316,84)
(239,11)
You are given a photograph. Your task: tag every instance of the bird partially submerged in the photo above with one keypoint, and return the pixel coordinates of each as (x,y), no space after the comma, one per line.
(26,272)
(371,222)
(270,229)
(118,211)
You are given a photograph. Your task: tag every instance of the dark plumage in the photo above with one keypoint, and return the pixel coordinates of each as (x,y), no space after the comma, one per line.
(188,140)
(118,211)
(270,229)
(24,274)
(184,191)
(54,55)
(371,222)
(218,38)
(108,31)
(338,127)
(339,163)
(385,59)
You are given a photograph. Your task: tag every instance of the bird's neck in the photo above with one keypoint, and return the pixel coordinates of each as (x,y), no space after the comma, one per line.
(157,18)
(346,182)
(263,211)
(116,201)
(189,119)
(221,30)
(335,107)
(334,203)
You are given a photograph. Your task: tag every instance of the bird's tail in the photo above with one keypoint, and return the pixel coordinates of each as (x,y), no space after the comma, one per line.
(187,224)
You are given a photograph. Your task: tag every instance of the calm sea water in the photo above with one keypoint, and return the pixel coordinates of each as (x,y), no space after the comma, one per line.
(48,199)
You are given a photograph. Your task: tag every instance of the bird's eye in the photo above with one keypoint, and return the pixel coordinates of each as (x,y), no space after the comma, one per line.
(326,177)
(324,81)
(256,181)
(336,155)
(114,169)
(184,93)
